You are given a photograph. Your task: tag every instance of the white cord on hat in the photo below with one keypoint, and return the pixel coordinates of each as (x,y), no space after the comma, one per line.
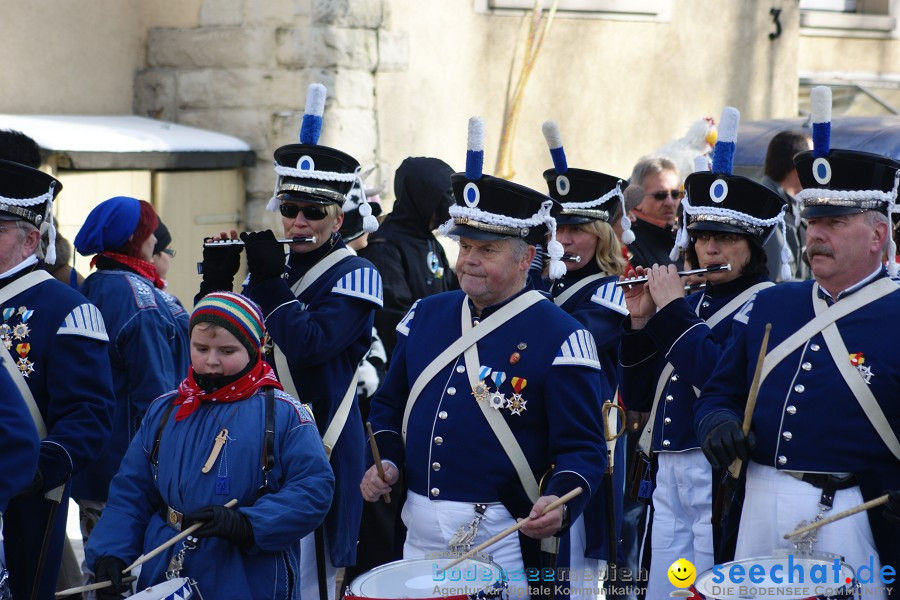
(46,222)
(283,171)
(541,217)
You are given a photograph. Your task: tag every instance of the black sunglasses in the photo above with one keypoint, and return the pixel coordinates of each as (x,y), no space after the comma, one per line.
(660,196)
(310,212)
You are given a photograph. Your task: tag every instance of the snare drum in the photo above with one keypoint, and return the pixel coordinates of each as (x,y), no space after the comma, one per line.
(424,578)
(711,585)
(174,589)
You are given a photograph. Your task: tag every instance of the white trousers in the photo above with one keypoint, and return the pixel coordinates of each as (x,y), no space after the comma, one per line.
(309,576)
(682,511)
(585,573)
(431,523)
(776,502)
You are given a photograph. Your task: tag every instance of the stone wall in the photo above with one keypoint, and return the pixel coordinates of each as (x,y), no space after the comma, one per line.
(244,67)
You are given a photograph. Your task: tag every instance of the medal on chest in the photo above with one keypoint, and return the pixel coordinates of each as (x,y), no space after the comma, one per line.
(857,359)
(516,403)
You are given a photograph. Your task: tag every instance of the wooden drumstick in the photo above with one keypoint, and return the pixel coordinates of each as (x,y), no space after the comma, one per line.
(735,468)
(841,515)
(93,586)
(145,557)
(513,528)
(377,457)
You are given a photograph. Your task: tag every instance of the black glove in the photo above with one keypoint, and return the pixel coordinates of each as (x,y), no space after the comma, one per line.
(32,489)
(892,508)
(265,255)
(727,442)
(109,568)
(222,522)
(220,265)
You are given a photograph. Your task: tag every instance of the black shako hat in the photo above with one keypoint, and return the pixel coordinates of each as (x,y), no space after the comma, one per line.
(490,208)
(26,194)
(584,195)
(308,172)
(841,182)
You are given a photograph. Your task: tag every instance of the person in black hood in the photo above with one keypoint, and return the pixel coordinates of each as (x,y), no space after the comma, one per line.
(411,261)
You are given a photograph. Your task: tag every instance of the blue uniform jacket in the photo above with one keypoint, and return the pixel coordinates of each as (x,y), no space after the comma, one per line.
(149,353)
(600,307)
(18,440)
(806,418)
(679,335)
(59,341)
(804,409)
(324,334)
(301,486)
(451,452)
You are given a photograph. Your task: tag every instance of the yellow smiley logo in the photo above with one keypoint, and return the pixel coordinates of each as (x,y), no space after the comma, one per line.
(682,573)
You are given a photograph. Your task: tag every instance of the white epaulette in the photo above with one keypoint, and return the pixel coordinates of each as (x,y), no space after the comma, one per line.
(85,320)
(743,313)
(578,350)
(403,325)
(611,296)
(364,283)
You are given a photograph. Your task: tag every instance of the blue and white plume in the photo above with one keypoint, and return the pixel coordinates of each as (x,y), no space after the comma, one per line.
(311,126)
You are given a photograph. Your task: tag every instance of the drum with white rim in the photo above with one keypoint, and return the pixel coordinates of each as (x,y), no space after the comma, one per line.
(179,588)
(779,578)
(424,578)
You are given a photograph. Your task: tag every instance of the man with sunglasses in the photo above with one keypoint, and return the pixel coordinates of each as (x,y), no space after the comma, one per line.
(671,341)
(657,212)
(319,305)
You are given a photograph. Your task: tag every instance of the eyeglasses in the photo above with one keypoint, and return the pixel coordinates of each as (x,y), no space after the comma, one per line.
(660,196)
(726,239)
(310,212)
(169,251)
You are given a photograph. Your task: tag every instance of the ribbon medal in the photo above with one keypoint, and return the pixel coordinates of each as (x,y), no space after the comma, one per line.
(481,391)
(498,400)
(516,404)
(858,360)
(25,366)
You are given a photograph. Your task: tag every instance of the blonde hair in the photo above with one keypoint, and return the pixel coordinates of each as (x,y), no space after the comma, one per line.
(609,250)
(608,254)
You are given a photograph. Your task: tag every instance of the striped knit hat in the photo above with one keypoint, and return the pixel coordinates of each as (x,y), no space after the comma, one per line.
(237,314)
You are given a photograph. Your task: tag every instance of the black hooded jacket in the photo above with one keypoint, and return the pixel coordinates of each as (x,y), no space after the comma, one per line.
(411,261)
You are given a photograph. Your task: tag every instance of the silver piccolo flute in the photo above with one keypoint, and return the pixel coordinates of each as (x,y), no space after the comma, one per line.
(709,269)
(238,242)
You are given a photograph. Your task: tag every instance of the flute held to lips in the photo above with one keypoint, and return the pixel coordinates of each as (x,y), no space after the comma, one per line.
(230,242)
(709,269)
(571,258)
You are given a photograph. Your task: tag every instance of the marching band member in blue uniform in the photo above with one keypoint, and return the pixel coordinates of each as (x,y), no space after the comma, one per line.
(18,440)
(319,312)
(228,432)
(824,429)
(594,262)
(671,342)
(149,342)
(58,342)
(532,379)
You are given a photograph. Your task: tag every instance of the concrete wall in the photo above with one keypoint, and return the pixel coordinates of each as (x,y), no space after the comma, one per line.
(69,56)
(617,89)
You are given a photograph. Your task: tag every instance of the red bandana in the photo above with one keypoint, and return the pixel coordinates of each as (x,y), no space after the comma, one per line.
(138,265)
(191,396)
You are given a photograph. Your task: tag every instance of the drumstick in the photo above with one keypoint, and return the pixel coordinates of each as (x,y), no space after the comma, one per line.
(735,468)
(513,528)
(145,557)
(93,586)
(841,515)
(377,457)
